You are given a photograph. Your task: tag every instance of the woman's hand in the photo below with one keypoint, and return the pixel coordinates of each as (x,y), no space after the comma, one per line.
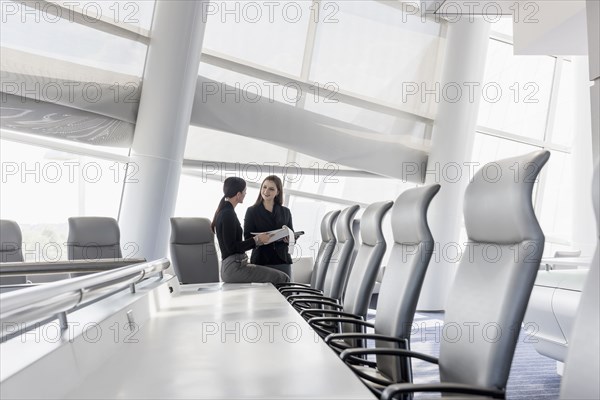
(262,238)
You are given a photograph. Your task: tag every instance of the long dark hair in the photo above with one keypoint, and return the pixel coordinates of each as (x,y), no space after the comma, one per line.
(232,186)
(275,179)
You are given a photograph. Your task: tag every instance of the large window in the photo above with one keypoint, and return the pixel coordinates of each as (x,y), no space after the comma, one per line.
(516,91)
(42,188)
(316,60)
(40,30)
(275,30)
(390,50)
(532,110)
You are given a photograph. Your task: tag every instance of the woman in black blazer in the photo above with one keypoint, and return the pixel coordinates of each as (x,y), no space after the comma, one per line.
(267,214)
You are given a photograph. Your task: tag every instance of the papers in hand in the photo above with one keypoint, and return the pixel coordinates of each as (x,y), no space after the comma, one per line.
(279,234)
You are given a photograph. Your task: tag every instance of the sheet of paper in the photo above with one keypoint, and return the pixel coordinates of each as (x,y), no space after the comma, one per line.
(279,234)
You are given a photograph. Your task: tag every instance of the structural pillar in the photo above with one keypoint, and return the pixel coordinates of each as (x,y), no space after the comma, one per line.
(452,141)
(593,28)
(583,230)
(169,83)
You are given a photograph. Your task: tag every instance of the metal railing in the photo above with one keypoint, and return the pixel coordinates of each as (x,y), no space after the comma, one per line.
(66,266)
(28,307)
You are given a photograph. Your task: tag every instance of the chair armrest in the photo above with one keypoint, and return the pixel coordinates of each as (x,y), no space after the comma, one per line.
(319,321)
(308,296)
(374,336)
(387,352)
(291,284)
(396,388)
(294,297)
(321,311)
(316,301)
(286,292)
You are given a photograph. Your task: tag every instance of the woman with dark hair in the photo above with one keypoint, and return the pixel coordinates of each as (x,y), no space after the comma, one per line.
(235,267)
(267,214)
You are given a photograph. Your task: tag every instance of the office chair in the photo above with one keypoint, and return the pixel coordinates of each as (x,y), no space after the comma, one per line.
(93,238)
(10,249)
(362,277)
(193,250)
(492,285)
(338,266)
(582,366)
(400,289)
(328,242)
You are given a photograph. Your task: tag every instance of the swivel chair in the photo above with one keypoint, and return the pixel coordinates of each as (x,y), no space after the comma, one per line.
(362,277)
(400,289)
(338,266)
(193,250)
(93,238)
(328,242)
(10,249)
(492,285)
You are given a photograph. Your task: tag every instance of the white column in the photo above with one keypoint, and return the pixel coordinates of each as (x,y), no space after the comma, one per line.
(452,142)
(583,222)
(593,28)
(163,119)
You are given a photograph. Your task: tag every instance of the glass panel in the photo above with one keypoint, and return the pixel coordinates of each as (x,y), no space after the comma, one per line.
(504,25)
(488,148)
(307,215)
(210,145)
(125,12)
(38,32)
(516,91)
(565,109)
(198,197)
(329,168)
(373,49)
(415,131)
(267,33)
(286,93)
(555,217)
(361,190)
(41,188)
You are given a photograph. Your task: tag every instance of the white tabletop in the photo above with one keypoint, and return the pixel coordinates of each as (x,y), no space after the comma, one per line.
(232,341)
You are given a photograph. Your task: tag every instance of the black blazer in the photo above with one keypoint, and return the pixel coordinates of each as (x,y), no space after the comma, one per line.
(258,219)
(229,233)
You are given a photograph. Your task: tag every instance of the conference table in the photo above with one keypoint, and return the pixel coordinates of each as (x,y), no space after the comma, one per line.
(225,341)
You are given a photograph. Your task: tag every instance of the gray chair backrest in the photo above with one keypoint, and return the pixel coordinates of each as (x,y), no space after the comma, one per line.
(193,250)
(10,249)
(339,264)
(93,238)
(405,272)
(368,260)
(328,241)
(357,242)
(582,367)
(495,275)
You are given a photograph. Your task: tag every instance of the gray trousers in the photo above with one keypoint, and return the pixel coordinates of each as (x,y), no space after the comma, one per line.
(285,268)
(236,269)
